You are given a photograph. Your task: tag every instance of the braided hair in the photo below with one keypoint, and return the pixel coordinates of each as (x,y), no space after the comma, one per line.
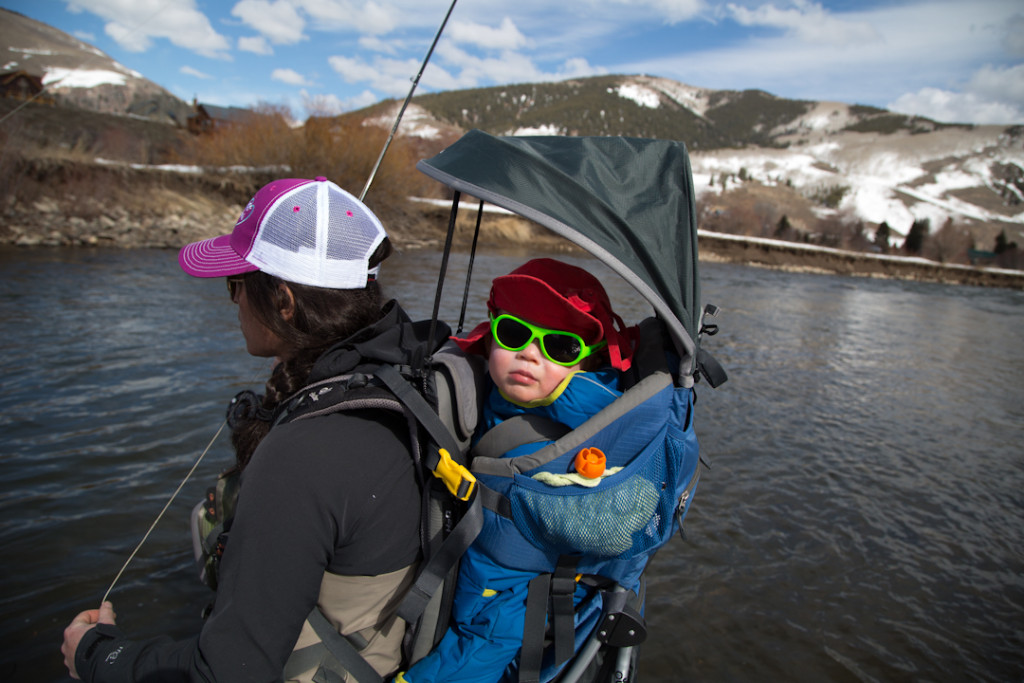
(321,318)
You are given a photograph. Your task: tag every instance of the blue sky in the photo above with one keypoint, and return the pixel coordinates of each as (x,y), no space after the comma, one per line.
(961,60)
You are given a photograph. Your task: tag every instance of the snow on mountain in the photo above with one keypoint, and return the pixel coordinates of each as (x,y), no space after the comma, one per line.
(80,74)
(896,178)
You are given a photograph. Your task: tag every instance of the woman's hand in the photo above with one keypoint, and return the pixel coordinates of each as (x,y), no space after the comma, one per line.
(77,628)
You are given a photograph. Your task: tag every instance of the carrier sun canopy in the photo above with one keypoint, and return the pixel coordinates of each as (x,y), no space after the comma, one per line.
(627,201)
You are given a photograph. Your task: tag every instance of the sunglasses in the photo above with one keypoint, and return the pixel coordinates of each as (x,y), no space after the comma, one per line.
(561,348)
(233,285)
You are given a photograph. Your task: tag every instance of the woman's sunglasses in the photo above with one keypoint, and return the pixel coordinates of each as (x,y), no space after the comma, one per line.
(561,348)
(233,284)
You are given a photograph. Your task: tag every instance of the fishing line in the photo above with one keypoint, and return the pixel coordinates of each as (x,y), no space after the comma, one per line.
(161,514)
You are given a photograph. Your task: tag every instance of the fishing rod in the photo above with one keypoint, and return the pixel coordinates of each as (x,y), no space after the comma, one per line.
(408,98)
(369,180)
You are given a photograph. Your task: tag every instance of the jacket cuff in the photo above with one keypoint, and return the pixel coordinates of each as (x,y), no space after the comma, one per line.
(98,644)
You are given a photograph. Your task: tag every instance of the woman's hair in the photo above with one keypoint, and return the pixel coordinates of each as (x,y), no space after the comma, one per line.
(321,318)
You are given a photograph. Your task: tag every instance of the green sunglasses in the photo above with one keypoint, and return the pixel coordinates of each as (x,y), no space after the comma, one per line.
(559,347)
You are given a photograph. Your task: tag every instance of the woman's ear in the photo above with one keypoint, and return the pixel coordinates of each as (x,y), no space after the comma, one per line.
(287,302)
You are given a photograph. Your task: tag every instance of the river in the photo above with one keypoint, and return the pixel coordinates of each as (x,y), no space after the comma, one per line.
(862,519)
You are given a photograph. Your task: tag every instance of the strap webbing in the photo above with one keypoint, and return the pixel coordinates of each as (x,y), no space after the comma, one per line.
(563,590)
(516,431)
(533,629)
(421,410)
(342,649)
(434,571)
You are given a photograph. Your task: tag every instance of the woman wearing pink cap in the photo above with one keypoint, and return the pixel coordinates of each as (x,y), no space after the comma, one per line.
(555,349)
(328,509)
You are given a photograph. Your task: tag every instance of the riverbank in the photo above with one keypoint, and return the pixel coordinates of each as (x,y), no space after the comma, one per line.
(795,257)
(97,205)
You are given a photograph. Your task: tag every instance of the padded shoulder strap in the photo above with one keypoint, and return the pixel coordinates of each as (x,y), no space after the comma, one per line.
(516,431)
(437,567)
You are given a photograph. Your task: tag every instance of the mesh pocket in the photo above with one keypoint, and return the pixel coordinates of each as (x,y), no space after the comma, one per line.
(627,514)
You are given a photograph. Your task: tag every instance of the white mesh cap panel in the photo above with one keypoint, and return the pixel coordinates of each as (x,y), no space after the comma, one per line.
(319,235)
(353,234)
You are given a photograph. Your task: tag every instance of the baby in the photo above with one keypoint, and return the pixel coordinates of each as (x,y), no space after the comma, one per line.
(554,348)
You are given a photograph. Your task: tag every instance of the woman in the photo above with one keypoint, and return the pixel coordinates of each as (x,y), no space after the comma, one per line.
(328,508)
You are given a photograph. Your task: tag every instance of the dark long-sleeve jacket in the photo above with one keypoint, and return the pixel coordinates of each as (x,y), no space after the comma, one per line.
(335,493)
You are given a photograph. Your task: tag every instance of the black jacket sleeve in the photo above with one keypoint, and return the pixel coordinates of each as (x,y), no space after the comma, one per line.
(333,493)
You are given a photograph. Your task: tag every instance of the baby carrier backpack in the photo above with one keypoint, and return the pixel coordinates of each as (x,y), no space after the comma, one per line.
(628,202)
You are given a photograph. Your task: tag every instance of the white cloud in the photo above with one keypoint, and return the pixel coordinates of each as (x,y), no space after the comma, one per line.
(992,95)
(363,99)
(321,105)
(505,37)
(955,107)
(289,76)
(901,49)
(1004,84)
(808,22)
(357,18)
(375,44)
(278,20)
(255,44)
(133,24)
(189,71)
(86,36)
(675,11)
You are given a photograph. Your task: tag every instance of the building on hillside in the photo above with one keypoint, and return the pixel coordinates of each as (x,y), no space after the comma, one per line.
(23,86)
(208,118)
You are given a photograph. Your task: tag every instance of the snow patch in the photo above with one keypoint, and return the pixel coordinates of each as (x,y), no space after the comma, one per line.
(645,97)
(547,129)
(33,51)
(416,122)
(692,98)
(81,78)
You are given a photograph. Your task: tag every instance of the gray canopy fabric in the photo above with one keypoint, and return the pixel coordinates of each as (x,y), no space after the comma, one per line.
(627,201)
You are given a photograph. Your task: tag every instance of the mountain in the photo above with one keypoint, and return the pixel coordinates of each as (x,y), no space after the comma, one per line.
(821,159)
(825,172)
(80,75)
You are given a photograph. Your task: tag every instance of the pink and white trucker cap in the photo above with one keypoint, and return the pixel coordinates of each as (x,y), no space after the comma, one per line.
(310,232)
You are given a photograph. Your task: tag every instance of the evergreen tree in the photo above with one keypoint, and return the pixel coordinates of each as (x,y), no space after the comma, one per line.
(882,236)
(783,228)
(1001,243)
(915,237)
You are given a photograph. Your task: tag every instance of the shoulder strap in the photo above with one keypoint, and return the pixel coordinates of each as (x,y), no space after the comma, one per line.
(516,431)
(460,482)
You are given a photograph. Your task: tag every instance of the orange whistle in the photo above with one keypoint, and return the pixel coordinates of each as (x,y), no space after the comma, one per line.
(590,463)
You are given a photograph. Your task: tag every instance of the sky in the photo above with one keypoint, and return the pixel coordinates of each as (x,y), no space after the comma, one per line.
(953,61)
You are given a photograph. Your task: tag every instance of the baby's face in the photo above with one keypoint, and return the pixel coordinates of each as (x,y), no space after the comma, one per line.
(525,375)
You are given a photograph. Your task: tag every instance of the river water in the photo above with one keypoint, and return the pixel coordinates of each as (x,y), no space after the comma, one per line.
(862,520)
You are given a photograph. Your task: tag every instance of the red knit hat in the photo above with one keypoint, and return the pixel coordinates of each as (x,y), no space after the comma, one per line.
(558,296)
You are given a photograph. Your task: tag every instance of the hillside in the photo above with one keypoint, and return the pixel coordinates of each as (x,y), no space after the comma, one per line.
(826,174)
(79,75)
(819,161)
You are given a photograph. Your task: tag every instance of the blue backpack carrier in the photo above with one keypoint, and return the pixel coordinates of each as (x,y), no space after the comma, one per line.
(589,545)
(629,203)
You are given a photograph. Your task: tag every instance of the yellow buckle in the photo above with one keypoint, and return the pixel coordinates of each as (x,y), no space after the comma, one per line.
(458,479)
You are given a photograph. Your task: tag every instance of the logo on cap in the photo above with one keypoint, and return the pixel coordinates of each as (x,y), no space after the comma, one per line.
(247,211)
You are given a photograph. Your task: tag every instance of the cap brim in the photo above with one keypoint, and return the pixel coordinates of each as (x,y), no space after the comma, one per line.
(476,340)
(213,258)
